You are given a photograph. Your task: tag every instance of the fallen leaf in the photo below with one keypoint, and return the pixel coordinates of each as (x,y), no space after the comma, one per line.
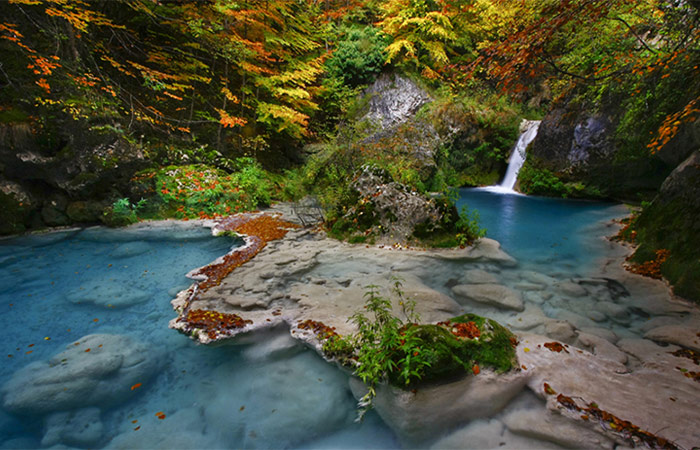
(134,421)
(87,350)
(242,408)
(137,428)
(95,320)
(136,386)
(476,369)
(526,350)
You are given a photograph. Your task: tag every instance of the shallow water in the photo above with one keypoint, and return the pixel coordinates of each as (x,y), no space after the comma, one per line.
(270,392)
(56,288)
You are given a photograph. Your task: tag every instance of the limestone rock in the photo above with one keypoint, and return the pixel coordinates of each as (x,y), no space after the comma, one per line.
(78,378)
(482,434)
(552,427)
(415,416)
(251,414)
(82,428)
(601,347)
(561,330)
(490,294)
(393,99)
(478,276)
(571,289)
(676,334)
(110,293)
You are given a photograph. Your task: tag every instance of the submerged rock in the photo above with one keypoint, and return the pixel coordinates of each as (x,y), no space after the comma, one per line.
(552,427)
(82,428)
(98,369)
(429,411)
(490,294)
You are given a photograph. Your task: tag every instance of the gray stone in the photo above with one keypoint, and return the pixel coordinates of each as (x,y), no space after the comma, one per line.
(560,330)
(552,427)
(601,347)
(393,99)
(429,411)
(571,289)
(684,336)
(490,294)
(612,310)
(82,428)
(77,378)
(478,276)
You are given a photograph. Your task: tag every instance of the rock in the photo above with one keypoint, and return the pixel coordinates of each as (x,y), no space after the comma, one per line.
(273,345)
(85,211)
(482,434)
(529,287)
(560,330)
(81,428)
(490,294)
(552,427)
(184,428)
(577,320)
(571,289)
(604,333)
(77,378)
(612,310)
(596,316)
(478,276)
(252,414)
(537,277)
(489,250)
(531,317)
(110,293)
(393,100)
(676,334)
(430,411)
(131,249)
(601,347)
(667,406)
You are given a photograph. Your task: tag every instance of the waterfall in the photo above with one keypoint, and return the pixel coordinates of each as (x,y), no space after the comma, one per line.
(528,131)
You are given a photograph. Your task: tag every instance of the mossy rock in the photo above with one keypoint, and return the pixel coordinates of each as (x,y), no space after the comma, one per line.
(85,211)
(451,354)
(13,215)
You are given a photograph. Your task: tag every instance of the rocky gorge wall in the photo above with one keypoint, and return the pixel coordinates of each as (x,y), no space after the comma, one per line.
(62,178)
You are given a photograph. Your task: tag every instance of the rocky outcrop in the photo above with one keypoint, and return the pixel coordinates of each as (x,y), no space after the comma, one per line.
(40,181)
(672,222)
(578,146)
(394,99)
(381,210)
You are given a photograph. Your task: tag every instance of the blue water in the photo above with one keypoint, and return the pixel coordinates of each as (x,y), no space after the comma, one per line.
(58,287)
(271,392)
(540,230)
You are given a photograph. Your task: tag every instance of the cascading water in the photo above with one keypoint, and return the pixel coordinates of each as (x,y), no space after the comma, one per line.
(528,131)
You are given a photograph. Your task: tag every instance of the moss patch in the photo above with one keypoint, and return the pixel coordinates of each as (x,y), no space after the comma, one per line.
(673,226)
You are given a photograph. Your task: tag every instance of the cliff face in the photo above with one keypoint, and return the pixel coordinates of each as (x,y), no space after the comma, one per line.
(67,177)
(579,147)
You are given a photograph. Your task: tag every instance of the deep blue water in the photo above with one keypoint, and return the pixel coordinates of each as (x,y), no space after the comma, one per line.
(540,230)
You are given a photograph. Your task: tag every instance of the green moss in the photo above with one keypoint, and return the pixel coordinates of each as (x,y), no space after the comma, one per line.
(674,226)
(12,215)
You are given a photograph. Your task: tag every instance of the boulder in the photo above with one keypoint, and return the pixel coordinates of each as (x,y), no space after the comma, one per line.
(490,294)
(97,369)
(393,99)
(552,427)
(478,276)
(416,416)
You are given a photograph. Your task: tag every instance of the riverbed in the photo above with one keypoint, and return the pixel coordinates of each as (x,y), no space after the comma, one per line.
(272,391)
